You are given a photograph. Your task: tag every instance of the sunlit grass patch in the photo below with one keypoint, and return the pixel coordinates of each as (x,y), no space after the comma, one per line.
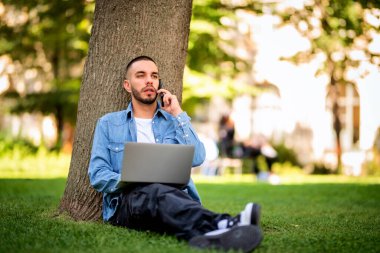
(285,174)
(286,179)
(44,165)
(40,165)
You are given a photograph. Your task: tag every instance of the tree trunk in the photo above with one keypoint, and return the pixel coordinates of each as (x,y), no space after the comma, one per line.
(121,31)
(337,127)
(336,111)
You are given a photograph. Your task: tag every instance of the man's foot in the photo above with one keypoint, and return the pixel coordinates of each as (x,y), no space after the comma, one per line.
(244,238)
(249,216)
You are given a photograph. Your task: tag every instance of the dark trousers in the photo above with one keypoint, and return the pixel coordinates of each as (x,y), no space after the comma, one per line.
(165,209)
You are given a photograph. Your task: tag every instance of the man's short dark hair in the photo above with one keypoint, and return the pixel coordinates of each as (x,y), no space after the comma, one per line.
(138,58)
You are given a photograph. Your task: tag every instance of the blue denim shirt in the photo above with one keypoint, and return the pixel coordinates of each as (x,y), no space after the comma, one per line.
(114,129)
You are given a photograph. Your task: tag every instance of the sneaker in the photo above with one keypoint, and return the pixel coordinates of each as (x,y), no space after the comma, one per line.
(249,216)
(243,238)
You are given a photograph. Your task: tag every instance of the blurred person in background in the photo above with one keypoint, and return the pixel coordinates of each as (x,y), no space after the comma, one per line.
(210,165)
(226,136)
(257,147)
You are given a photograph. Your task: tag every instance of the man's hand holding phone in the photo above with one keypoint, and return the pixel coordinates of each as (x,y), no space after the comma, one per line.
(169,102)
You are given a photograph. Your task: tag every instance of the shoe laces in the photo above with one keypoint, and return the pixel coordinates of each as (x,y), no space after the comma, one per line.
(233,221)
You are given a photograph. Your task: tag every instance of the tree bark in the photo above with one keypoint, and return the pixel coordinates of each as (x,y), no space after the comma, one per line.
(121,31)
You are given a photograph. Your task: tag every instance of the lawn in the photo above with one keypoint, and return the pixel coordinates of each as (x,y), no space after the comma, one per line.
(324,214)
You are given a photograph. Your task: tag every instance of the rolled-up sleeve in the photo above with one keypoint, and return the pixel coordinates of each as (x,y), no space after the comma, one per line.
(102,177)
(185,134)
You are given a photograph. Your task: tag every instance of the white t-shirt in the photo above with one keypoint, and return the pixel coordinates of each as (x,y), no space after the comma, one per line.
(144,130)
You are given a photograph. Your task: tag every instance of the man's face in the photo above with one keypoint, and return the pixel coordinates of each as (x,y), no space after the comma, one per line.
(142,81)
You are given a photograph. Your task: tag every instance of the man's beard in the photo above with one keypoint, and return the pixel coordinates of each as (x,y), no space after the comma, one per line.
(147,101)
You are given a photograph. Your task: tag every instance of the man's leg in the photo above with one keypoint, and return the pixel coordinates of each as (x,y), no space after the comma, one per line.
(165,209)
(269,161)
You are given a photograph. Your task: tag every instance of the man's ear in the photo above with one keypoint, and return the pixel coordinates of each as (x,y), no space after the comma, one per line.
(127,85)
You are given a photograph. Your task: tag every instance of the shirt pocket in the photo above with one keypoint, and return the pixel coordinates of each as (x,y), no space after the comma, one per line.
(116,150)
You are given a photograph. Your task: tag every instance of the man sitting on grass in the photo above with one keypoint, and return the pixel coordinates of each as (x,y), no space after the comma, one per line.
(158,207)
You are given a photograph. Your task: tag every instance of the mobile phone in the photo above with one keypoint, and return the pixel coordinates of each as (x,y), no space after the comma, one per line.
(161,95)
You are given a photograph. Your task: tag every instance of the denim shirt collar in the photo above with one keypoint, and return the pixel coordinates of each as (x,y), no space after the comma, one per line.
(159,112)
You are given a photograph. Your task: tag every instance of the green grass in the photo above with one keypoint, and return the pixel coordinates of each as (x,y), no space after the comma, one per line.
(318,216)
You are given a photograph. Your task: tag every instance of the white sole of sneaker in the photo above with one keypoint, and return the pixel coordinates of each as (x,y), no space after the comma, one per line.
(245,216)
(251,215)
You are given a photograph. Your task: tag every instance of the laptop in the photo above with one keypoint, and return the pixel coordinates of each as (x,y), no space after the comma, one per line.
(157,163)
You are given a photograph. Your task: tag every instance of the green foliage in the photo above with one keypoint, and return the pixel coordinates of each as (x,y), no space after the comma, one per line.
(341,22)
(59,26)
(16,147)
(20,158)
(372,168)
(211,68)
(322,169)
(318,217)
(286,155)
(191,104)
(204,51)
(62,102)
(50,38)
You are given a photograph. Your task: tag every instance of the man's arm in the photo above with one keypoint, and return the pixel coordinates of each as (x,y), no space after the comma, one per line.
(100,172)
(184,131)
(185,134)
